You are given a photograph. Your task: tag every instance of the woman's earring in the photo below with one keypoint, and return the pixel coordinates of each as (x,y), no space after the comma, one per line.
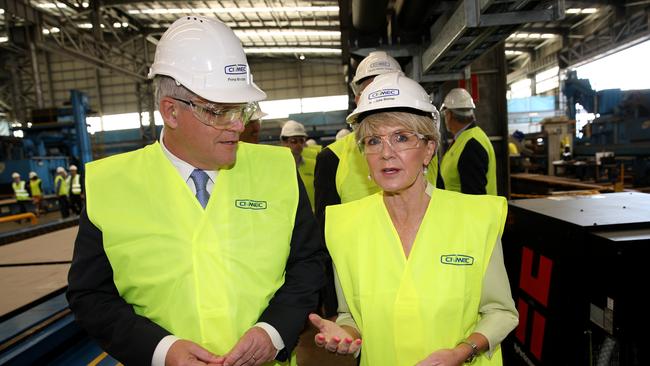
(369,177)
(425,170)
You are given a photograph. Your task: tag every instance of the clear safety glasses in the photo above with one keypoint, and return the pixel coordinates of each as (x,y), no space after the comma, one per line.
(220,116)
(398,141)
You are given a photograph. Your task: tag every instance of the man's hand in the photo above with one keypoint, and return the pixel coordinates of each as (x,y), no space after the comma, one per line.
(254,348)
(187,353)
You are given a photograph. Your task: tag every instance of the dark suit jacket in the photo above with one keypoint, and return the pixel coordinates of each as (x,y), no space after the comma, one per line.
(132,339)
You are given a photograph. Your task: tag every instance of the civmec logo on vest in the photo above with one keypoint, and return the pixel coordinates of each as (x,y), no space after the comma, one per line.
(236,69)
(457,259)
(250,204)
(383,93)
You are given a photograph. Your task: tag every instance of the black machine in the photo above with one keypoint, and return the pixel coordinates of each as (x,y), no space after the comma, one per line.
(577,267)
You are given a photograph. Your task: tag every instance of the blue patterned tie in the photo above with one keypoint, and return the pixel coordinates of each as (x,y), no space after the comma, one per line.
(200,179)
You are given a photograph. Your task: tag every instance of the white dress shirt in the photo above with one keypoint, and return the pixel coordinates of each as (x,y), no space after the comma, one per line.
(185,170)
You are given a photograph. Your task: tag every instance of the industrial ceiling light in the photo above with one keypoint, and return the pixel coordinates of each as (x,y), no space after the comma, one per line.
(286,33)
(282,9)
(301,57)
(298,50)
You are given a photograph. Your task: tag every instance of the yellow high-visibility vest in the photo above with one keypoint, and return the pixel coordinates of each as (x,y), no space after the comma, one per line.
(352,180)
(310,152)
(75,184)
(306,170)
(35,186)
(64,188)
(407,308)
(449,162)
(203,274)
(20,191)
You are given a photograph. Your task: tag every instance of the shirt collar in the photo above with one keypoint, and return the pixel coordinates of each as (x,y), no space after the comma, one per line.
(183,167)
(463,129)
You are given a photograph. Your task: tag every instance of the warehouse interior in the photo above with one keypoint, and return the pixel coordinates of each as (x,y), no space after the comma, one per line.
(561,89)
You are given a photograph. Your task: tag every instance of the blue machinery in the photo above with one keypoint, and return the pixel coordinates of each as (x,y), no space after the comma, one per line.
(58,138)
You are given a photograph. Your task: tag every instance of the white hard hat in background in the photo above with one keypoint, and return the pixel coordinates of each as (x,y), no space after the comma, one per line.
(206,57)
(293,128)
(342,133)
(460,101)
(60,169)
(393,91)
(311,142)
(32,175)
(72,167)
(15,175)
(376,63)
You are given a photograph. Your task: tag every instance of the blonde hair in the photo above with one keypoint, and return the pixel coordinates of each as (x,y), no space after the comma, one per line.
(424,125)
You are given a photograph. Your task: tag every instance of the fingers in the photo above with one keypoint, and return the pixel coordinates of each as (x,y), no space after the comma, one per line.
(319,339)
(316,320)
(333,344)
(203,355)
(354,347)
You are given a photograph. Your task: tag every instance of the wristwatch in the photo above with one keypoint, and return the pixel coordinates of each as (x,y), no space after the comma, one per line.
(474,347)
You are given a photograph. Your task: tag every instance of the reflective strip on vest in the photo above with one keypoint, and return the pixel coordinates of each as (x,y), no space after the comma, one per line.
(407,308)
(203,275)
(20,191)
(35,186)
(352,173)
(75,186)
(449,163)
(306,170)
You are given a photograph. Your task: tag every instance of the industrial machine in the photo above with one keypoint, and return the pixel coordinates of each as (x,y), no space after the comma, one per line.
(622,126)
(576,266)
(55,137)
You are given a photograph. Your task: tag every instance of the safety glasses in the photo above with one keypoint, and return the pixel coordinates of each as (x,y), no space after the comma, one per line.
(219,116)
(398,141)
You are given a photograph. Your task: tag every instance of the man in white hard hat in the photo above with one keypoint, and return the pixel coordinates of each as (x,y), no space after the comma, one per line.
(469,164)
(293,136)
(341,173)
(187,251)
(76,191)
(21,192)
(62,190)
(36,190)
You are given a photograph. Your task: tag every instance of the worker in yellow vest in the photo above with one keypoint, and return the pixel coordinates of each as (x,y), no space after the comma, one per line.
(76,191)
(421,273)
(341,172)
(293,136)
(20,192)
(469,164)
(188,252)
(62,190)
(36,189)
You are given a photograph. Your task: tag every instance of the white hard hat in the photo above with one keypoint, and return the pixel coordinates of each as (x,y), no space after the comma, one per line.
(460,101)
(342,133)
(206,57)
(72,167)
(15,175)
(293,128)
(393,90)
(376,63)
(60,169)
(311,142)
(32,174)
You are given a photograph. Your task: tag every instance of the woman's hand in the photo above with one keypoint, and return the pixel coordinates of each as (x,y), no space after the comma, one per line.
(334,338)
(444,357)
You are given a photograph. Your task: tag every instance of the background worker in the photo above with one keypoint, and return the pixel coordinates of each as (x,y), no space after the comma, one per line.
(469,164)
(341,172)
(183,256)
(293,136)
(36,189)
(251,132)
(62,190)
(342,133)
(76,190)
(395,252)
(20,192)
